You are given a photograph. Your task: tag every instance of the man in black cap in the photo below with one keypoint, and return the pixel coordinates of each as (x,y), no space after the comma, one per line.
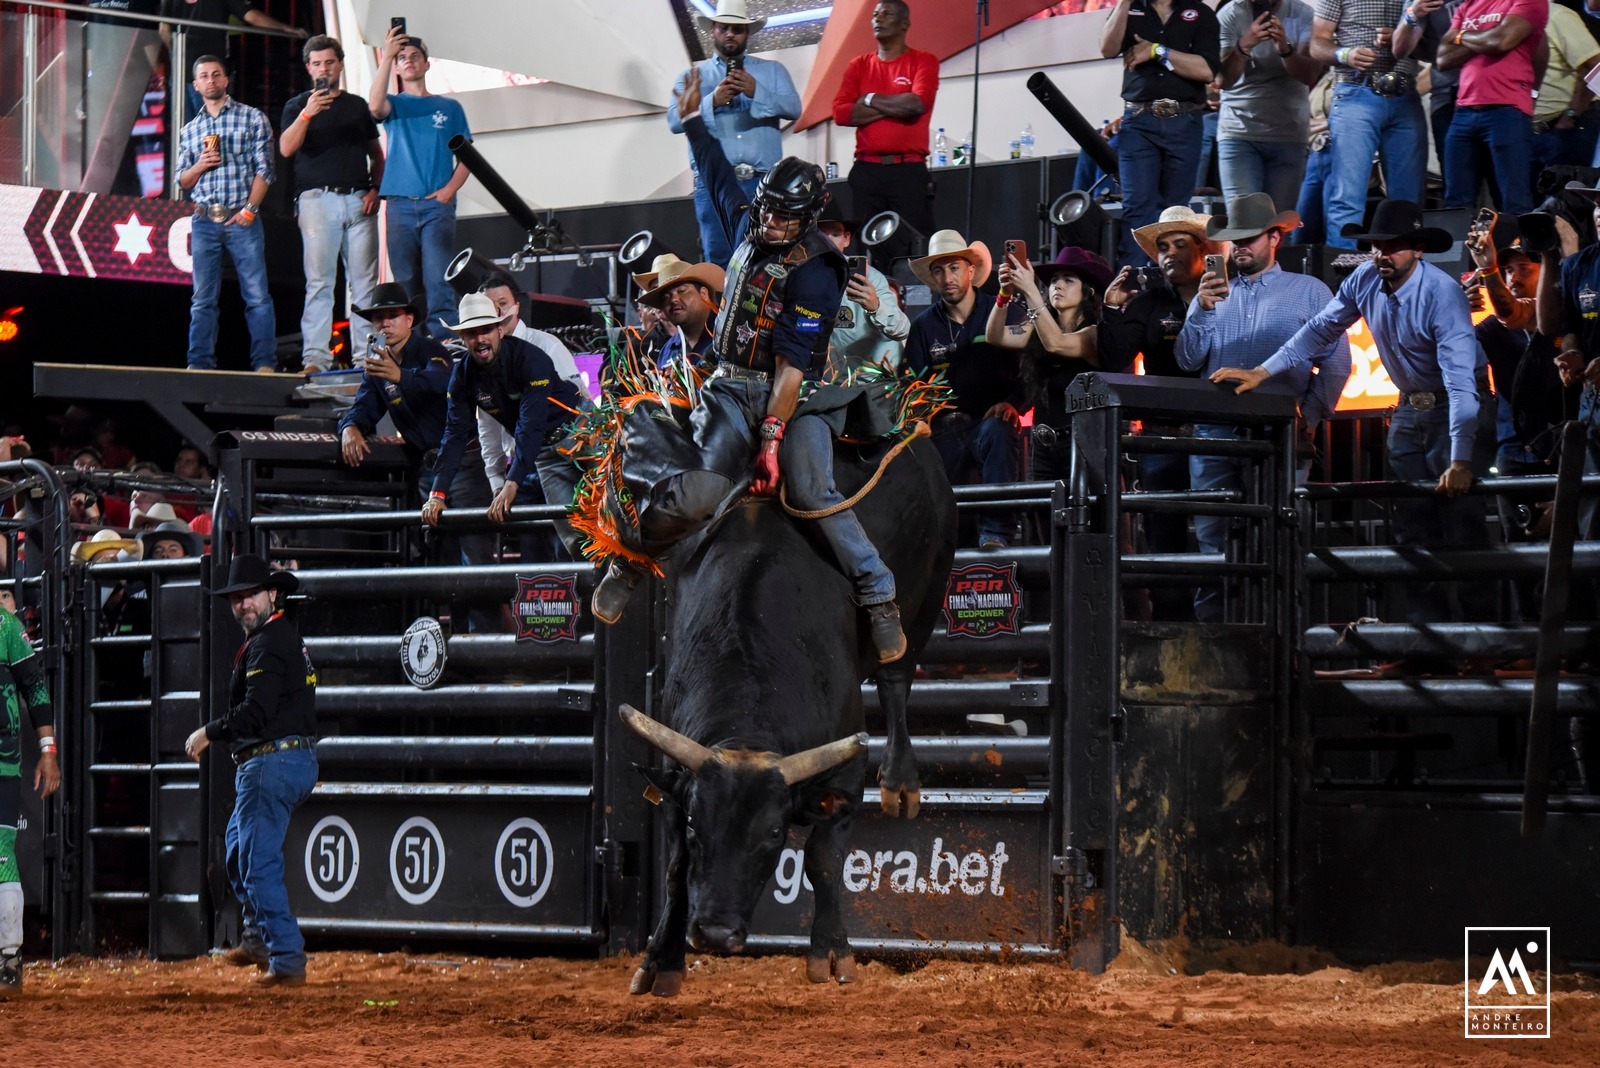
(271,728)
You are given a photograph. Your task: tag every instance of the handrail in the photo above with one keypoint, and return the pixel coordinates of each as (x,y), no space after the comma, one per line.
(1506,485)
(112,15)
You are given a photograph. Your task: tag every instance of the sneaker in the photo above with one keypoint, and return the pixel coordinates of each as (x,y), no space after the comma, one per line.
(884,621)
(10,975)
(611,595)
(248,953)
(282,979)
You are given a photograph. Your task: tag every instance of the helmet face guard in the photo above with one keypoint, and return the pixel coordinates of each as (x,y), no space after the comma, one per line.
(793,190)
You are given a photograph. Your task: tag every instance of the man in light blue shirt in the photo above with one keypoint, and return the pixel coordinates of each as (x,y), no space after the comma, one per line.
(752,98)
(1420,321)
(872,327)
(1248,319)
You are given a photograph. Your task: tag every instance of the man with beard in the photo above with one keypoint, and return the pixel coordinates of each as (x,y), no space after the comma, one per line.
(686,296)
(1423,332)
(271,727)
(1250,315)
(752,99)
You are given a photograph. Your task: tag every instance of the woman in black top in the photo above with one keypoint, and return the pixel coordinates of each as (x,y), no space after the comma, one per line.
(1057,337)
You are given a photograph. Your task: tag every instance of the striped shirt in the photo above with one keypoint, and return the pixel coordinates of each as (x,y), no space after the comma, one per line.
(246,152)
(1260,314)
(1357,23)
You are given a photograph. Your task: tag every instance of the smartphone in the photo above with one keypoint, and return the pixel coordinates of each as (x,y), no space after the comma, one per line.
(1017,248)
(1218,265)
(319,84)
(398,23)
(737,62)
(1486,219)
(858,265)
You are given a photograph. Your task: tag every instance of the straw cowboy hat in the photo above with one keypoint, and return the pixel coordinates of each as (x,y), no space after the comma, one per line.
(391,296)
(1077,261)
(101,541)
(476,311)
(949,245)
(1397,219)
(707,274)
(159,512)
(1250,216)
(731,13)
(647,280)
(247,572)
(1177,219)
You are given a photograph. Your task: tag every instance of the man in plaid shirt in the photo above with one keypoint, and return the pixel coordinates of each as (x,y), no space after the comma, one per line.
(225,165)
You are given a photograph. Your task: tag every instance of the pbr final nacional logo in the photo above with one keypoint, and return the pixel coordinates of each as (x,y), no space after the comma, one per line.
(422,652)
(1508,982)
(982,600)
(546,608)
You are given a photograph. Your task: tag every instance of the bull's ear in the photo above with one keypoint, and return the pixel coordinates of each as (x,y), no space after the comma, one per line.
(662,780)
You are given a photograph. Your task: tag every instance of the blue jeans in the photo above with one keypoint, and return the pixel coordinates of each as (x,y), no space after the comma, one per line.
(991,446)
(1504,135)
(331,226)
(248,249)
(1575,147)
(1088,176)
(267,790)
(1276,168)
(714,241)
(1313,202)
(1157,158)
(468,489)
(1360,123)
(806,459)
(1206,163)
(1211,531)
(422,240)
(1164,533)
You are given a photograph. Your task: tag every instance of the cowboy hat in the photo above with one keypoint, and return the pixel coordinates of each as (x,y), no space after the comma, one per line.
(647,280)
(1081,262)
(389,296)
(104,539)
(476,311)
(832,212)
(248,572)
(193,544)
(1177,219)
(707,274)
(1397,219)
(1250,216)
(731,13)
(949,245)
(159,512)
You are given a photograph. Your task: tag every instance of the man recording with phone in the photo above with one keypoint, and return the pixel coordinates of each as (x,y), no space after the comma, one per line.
(337,170)
(872,327)
(1265,119)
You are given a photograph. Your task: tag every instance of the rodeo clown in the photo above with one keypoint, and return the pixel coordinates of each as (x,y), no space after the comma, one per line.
(784,286)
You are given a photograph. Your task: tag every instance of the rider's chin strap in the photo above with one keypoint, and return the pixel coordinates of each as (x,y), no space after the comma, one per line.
(919,429)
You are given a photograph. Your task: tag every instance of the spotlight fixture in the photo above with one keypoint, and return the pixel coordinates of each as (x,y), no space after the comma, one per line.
(886,224)
(467,271)
(1078,220)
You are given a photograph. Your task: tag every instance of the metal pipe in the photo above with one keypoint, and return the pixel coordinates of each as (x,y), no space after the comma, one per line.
(1444,697)
(490,580)
(407,519)
(1071,119)
(1332,641)
(1517,486)
(29,132)
(500,653)
(1411,564)
(497,753)
(539,698)
(493,184)
(1157,444)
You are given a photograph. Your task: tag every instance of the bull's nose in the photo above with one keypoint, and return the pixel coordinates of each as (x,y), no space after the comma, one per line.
(721,939)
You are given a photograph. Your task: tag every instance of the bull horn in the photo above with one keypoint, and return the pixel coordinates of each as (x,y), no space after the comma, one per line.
(686,751)
(802,766)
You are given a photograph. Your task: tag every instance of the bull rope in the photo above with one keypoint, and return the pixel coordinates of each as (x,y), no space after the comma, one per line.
(919,429)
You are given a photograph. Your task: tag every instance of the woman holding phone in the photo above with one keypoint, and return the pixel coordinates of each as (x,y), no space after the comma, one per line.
(1057,337)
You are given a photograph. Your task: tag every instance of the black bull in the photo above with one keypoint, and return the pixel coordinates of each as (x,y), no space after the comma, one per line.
(764,713)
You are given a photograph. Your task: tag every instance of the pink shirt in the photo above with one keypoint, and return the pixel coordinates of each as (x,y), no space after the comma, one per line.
(1486,79)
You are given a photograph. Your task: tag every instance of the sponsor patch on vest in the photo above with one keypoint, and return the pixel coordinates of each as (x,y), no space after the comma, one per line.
(807,321)
(746,333)
(776,270)
(1586,301)
(846,317)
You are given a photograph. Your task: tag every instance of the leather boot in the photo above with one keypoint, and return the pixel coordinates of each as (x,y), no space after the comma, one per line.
(884,622)
(10,975)
(611,595)
(250,952)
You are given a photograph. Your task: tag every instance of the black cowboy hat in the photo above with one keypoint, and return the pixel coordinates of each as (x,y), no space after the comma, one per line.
(387,296)
(248,572)
(1397,219)
(833,212)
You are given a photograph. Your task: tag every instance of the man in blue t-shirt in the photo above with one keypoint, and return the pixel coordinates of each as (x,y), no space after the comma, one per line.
(422,177)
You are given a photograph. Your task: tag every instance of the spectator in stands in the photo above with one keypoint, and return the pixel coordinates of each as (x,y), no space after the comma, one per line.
(888,95)
(106,546)
(190,463)
(686,296)
(157,513)
(338,168)
(503,290)
(1169,51)
(83,508)
(113,453)
(225,165)
(1493,42)
(1565,125)
(1423,332)
(980,433)
(201,42)
(1249,317)
(1057,335)
(171,541)
(1376,108)
(1145,321)
(1266,112)
(752,98)
(421,176)
(87,459)
(1313,199)
(871,328)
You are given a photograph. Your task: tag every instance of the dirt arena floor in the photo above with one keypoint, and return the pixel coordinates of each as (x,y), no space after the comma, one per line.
(417,1011)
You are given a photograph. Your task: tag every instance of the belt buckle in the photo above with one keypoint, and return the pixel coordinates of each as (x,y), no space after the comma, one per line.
(1423,402)
(217,212)
(1165,108)
(1045,435)
(744,171)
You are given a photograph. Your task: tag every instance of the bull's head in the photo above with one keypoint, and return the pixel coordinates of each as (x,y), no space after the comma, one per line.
(737,806)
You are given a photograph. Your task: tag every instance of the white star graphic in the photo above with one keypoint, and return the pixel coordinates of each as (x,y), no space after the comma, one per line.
(133,237)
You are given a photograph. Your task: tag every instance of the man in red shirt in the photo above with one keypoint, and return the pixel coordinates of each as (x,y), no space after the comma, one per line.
(889,96)
(1494,43)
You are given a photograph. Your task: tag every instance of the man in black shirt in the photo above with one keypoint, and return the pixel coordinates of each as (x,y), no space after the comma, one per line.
(271,728)
(949,337)
(338,164)
(198,42)
(1169,51)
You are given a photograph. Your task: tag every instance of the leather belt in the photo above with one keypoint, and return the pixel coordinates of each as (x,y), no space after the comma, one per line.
(905,157)
(217,213)
(277,745)
(740,374)
(746,171)
(1426,401)
(1163,109)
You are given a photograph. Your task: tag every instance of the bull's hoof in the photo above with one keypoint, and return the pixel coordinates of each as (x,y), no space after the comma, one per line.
(662,984)
(833,966)
(903,803)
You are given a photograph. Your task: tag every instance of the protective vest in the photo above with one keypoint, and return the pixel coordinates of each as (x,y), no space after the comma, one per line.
(754,297)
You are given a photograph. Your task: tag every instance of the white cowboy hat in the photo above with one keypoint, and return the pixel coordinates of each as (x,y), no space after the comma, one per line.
(707,274)
(1178,218)
(476,310)
(647,280)
(731,13)
(103,540)
(949,245)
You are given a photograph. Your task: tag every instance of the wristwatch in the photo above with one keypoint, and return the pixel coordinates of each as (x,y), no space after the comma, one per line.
(1569,114)
(253,209)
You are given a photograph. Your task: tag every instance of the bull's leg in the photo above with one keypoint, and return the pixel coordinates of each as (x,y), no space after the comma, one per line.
(830,956)
(661,971)
(899,785)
